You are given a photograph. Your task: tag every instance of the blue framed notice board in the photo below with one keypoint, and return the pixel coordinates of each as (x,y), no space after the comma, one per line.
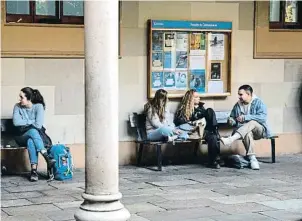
(189,54)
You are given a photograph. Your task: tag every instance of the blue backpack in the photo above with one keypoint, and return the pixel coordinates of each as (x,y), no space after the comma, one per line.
(63,168)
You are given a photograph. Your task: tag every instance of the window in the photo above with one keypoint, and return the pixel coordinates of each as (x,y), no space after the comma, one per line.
(45,11)
(285,14)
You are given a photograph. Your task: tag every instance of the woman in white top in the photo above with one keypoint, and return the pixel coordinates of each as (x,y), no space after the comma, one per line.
(159,122)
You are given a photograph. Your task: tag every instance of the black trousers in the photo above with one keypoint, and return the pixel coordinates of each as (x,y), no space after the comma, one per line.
(212,136)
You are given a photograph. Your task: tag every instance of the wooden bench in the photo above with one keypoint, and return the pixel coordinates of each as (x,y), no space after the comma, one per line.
(9,148)
(137,122)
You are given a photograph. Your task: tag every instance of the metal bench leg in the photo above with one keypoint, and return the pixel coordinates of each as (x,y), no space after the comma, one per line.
(140,154)
(159,157)
(196,146)
(273,146)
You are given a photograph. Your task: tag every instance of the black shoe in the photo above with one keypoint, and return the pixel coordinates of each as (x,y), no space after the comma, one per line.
(50,161)
(214,165)
(34,176)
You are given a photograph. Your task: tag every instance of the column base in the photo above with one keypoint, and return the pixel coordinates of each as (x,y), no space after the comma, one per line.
(102,208)
(117,215)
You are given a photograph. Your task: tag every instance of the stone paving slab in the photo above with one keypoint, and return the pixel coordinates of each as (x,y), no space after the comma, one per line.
(179,192)
(240,208)
(23,195)
(32,209)
(245,217)
(173,183)
(17,202)
(283,215)
(284,204)
(182,214)
(185,204)
(31,217)
(247,198)
(53,199)
(19,189)
(144,207)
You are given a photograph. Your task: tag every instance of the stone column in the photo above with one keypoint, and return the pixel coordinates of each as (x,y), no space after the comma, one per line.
(101,196)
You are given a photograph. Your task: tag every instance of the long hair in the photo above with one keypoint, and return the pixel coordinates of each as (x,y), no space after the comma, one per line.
(158,104)
(33,95)
(186,107)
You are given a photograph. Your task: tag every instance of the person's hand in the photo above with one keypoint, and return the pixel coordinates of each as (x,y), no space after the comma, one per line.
(231,121)
(177,132)
(240,118)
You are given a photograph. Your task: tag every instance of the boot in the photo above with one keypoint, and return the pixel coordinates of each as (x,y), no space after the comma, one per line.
(50,161)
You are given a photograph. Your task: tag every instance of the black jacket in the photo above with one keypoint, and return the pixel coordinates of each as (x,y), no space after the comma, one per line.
(199,113)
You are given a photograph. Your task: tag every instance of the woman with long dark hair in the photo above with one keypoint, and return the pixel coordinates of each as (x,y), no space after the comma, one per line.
(159,121)
(28,117)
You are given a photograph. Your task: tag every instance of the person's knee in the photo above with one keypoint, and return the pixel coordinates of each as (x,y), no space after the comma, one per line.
(33,133)
(166,131)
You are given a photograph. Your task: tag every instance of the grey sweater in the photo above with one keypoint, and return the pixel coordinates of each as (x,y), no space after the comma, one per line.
(23,116)
(153,122)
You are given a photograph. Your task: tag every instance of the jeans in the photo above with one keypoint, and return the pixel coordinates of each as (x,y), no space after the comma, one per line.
(163,132)
(34,144)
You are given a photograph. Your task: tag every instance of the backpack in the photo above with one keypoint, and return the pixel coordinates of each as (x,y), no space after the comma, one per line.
(236,161)
(63,168)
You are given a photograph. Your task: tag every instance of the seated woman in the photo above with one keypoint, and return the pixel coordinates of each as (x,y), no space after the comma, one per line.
(28,117)
(159,122)
(192,110)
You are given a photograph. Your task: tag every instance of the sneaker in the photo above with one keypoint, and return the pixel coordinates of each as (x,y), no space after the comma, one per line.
(172,138)
(214,165)
(34,176)
(254,163)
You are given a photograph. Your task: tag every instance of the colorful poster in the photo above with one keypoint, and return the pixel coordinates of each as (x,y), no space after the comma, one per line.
(157,61)
(197,44)
(181,60)
(182,42)
(169,41)
(169,80)
(197,80)
(157,80)
(216,71)
(216,50)
(157,41)
(169,60)
(181,80)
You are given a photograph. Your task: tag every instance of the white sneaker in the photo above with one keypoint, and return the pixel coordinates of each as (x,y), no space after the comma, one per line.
(172,138)
(254,163)
(227,141)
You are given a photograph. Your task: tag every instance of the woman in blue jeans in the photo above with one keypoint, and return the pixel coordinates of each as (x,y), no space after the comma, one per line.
(29,113)
(159,122)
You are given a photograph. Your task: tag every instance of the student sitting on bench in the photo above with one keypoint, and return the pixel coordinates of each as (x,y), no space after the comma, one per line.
(249,116)
(159,122)
(190,112)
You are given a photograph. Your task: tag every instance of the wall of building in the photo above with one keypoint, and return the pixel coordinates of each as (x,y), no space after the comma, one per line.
(61,80)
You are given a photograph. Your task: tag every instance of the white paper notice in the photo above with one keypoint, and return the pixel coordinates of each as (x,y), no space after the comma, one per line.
(197,62)
(215,87)
(216,50)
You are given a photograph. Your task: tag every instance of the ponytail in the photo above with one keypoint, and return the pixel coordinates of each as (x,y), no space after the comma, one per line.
(37,98)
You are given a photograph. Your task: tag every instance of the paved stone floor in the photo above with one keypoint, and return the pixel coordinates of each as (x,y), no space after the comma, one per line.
(178,193)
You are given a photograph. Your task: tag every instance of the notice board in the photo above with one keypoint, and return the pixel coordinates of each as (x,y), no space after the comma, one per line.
(186,55)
